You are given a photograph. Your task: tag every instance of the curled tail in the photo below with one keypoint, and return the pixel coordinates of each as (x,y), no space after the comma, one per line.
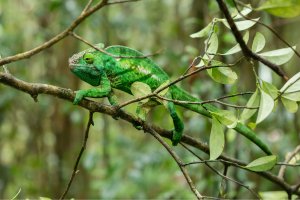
(182,95)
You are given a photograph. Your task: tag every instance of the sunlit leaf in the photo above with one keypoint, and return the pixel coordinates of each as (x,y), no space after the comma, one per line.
(291,89)
(274,195)
(291,106)
(226,117)
(262,164)
(216,139)
(203,32)
(44,198)
(140,89)
(223,75)
(242,25)
(259,42)
(279,56)
(252,102)
(270,89)
(236,48)
(212,49)
(282,8)
(162,93)
(265,107)
(142,110)
(244,12)
(213,45)
(214,63)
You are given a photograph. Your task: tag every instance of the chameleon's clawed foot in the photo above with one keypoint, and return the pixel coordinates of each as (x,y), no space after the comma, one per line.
(78,97)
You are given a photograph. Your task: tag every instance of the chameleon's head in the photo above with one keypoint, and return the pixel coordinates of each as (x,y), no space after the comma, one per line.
(83,66)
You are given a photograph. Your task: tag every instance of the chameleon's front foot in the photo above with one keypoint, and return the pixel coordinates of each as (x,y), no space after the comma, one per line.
(78,97)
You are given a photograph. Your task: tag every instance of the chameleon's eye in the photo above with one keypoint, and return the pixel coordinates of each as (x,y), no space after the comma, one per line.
(88,58)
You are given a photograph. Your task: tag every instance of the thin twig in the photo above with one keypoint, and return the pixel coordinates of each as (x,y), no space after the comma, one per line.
(179,163)
(203,102)
(219,173)
(119,2)
(246,51)
(87,6)
(4,67)
(75,169)
(288,158)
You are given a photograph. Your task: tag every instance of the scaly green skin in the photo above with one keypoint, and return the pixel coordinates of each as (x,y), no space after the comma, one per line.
(107,72)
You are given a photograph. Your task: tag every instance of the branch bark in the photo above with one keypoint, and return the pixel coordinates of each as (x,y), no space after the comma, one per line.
(246,51)
(34,89)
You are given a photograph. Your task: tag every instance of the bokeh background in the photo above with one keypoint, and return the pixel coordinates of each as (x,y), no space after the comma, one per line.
(39,142)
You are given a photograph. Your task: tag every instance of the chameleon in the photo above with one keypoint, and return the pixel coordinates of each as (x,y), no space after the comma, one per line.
(119,67)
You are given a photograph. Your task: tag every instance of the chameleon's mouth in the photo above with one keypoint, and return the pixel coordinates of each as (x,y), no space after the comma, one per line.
(72,64)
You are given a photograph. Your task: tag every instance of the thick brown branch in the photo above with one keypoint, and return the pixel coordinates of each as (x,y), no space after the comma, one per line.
(246,51)
(34,89)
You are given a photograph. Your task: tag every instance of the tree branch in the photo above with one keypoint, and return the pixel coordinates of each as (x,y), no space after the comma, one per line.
(246,51)
(75,170)
(86,13)
(34,89)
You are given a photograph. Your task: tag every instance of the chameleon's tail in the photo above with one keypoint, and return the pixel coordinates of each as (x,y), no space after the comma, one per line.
(182,95)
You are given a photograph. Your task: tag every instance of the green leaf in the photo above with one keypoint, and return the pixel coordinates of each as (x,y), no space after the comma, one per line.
(100,45)
(223,75)
(270,89)
(290,106)
(203,32)
(142,110)
(216,139)
(293,96)
(273,195)
(44,198)
(236,48)
(162,93)
(242,25)
(282,8)
(279,56)
(259,42)
(252,102)
(226,117)
(244,12)
(140,89)
(262,164)
(215,63)
(265,107)
(291,89)
(213,44)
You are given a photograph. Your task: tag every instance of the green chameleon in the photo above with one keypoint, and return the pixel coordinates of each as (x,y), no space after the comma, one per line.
(121,67)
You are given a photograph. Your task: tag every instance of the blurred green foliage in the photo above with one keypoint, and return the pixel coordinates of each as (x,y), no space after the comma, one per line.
(40,141)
